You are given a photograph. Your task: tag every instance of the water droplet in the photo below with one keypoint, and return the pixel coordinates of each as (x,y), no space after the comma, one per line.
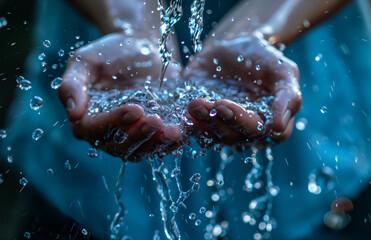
(3,22)
(215,61)
(202,210)
(301,124)
(67,165)
(23,181)
(260,126)
(37,134)
(220,182)
(10,159)
(323,109)
(151,215)
(84,232)
(3,134)
(195,178)
(321,180)
(192,216)
(1,178)
(78,58)
(240,58)
(36,102)
(198,222)
(47,43)
(218,68)
(92,152)
(120,136)
(212,112)
(145,50)
(24,84)
(42,56)
(318,57)
(61,53)
(50,171)
(27,235)
(56,83)
(248,160)
(257,67)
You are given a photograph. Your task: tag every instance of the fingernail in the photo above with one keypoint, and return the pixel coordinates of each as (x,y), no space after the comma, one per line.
(70,105)
(130,117)
(286,117)
(224,112)
(200,112)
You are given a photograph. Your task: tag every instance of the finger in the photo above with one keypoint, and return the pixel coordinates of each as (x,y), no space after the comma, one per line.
(279,137)
(244,121)
(286,103)
(73,91)
(98,126)
(140,132)
(164,141)
(199,112)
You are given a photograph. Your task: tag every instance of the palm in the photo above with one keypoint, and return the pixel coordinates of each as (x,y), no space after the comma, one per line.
(258,69)
(116,62)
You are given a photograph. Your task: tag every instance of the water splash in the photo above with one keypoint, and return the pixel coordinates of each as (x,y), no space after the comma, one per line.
(169,17)
(196,24)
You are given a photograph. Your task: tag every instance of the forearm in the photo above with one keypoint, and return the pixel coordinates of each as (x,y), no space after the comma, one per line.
(129,16)
(279,21)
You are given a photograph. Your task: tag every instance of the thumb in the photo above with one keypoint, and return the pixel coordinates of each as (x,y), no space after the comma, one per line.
(286,103)
(73,91)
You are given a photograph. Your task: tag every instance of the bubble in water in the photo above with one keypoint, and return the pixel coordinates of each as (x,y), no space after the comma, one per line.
(301,124)
(50,171)
(212,112)
(240,58)
(323,109)
(67,165)
(27,235)
(3,134)
(257,67)
(198,222)
(202,210)
(321,180)
(3,22)
(24,84)
(248,160)
(37,134)
(192,216)
(218,68)
(84,232)
(61,53)
(47,43)
(56,83)
(36,102)
(23,181)
(195,178)
(92,152)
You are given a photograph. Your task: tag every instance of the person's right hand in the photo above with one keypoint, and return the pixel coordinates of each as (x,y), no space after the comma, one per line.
(106,64)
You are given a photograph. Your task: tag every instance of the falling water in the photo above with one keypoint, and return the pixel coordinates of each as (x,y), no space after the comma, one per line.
(196,24)
(169,17)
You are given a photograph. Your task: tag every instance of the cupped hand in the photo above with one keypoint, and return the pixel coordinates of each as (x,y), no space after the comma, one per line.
(116,61)
(259,70)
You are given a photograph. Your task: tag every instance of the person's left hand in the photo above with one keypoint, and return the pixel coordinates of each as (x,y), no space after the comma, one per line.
(264,71)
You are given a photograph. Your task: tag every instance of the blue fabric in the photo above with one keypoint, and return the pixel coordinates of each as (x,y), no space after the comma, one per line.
(338,79)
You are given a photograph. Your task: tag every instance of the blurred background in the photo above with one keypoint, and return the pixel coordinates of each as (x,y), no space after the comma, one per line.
(26,211)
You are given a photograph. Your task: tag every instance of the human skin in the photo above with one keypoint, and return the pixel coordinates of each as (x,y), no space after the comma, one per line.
(254,29)
(257,27)
(88,69)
